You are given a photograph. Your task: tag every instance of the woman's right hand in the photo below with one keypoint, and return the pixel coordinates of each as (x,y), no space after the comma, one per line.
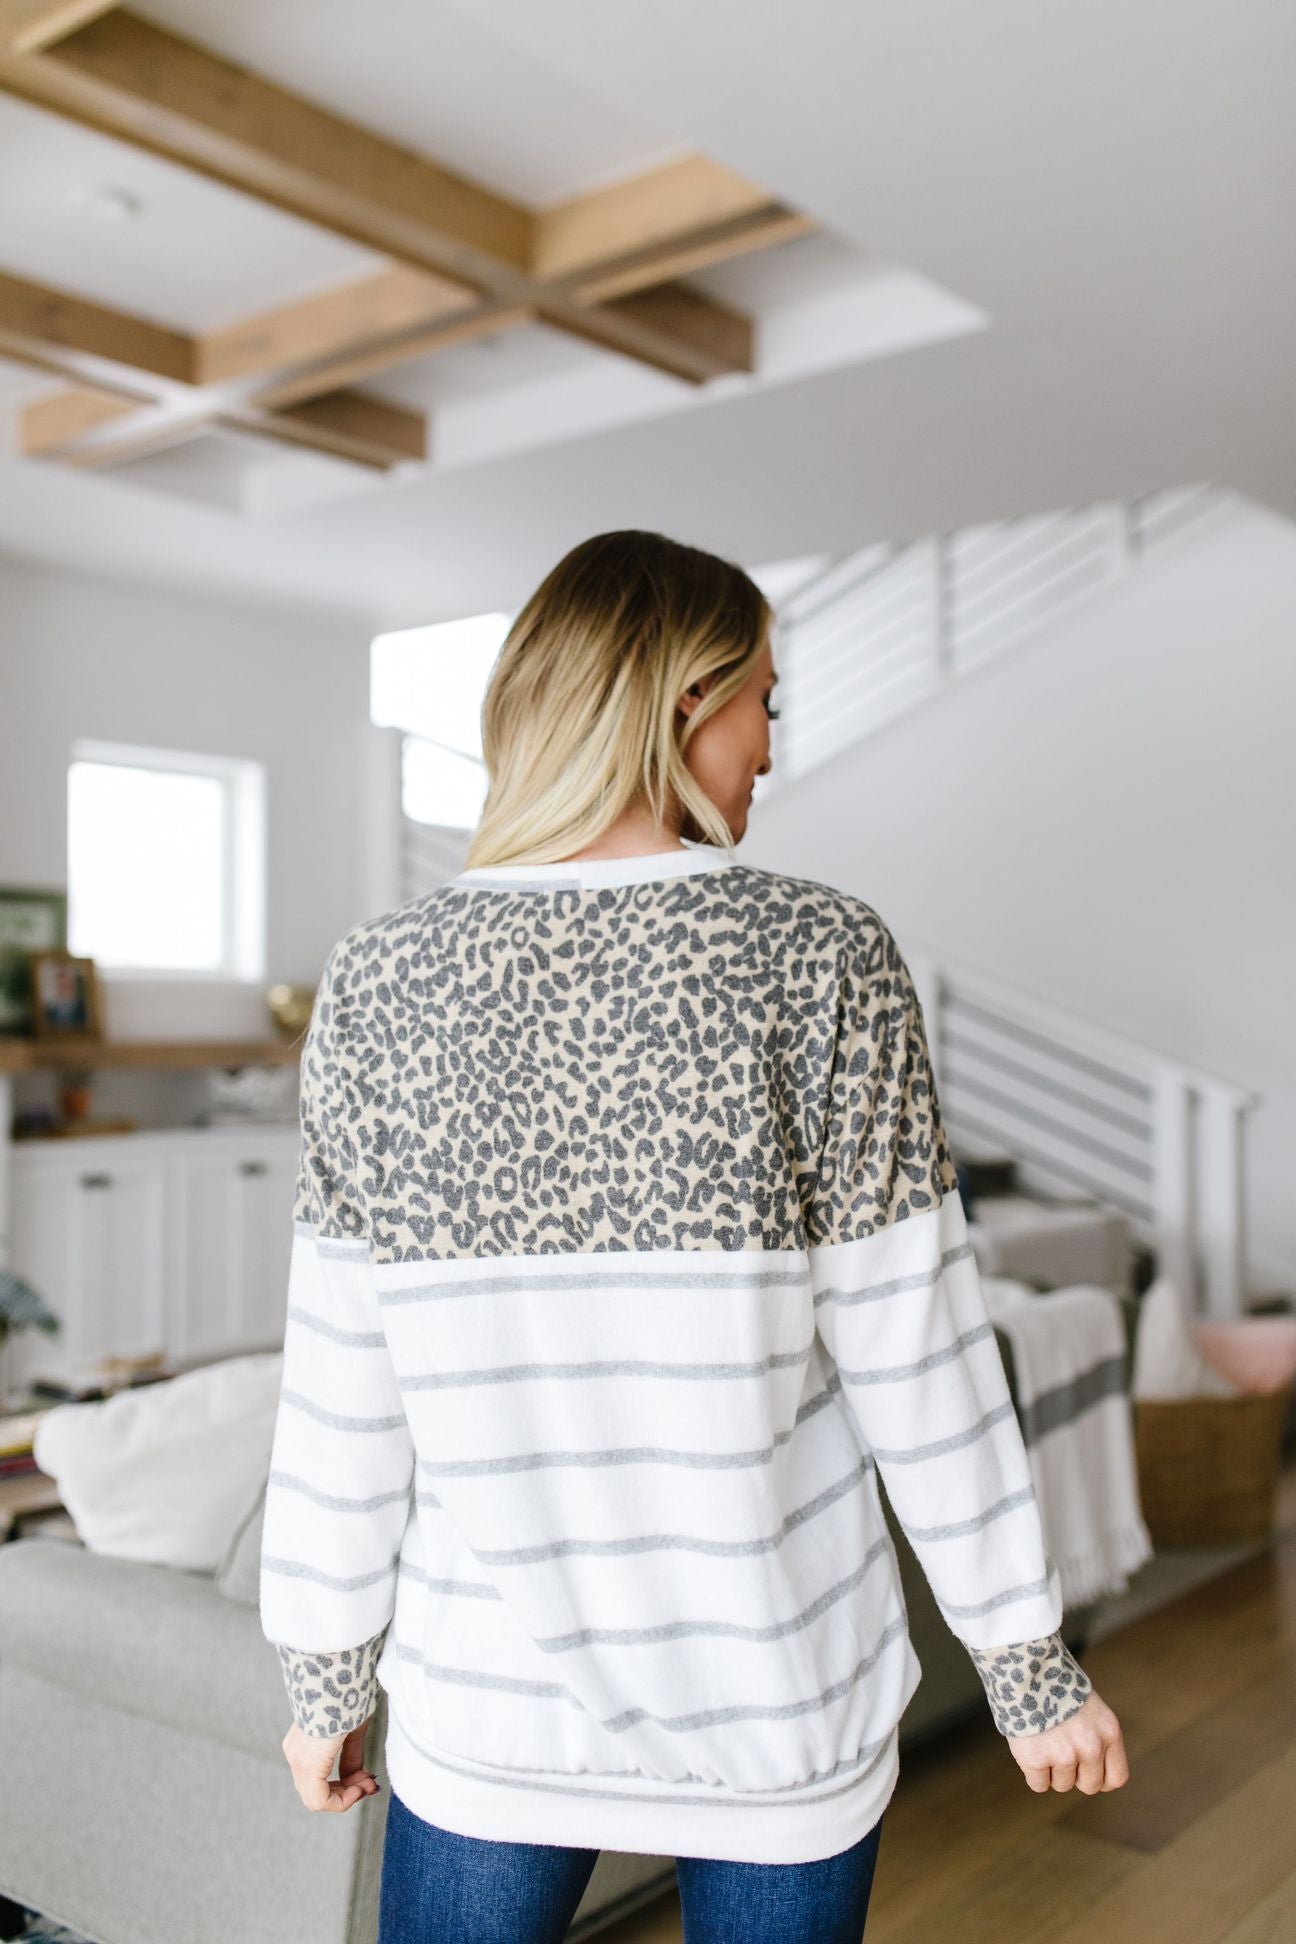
(1085,1752)
(311,1759)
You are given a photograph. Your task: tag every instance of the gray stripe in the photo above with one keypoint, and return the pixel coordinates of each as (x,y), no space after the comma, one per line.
(290,1483)
(362,1339)
(893,1372)
(479,1677)
(332,1245)
(912,1454)
(623,1454)
(604,1367)
(675,1724)
(466,1589)
(920,1279)
(962,1527)
(870,1755)
(1066,1401)
(1000,1599)
(689,1282)
(667,1541)
(1003,1599)
(730,1629)
(295,1569)
(335,1418)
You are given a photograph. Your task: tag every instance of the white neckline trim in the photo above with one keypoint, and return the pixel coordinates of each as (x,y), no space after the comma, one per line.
(586,872)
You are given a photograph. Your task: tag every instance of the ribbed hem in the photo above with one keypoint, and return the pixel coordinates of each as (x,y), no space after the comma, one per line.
(648,1819)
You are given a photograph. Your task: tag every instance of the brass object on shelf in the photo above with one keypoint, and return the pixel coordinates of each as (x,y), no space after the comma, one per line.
(291,1007)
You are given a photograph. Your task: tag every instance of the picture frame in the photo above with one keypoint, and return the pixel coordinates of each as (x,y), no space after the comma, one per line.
(65,997)
(33,918)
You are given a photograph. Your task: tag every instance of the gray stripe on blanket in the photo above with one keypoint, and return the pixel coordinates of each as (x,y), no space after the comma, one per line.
(1066,1401)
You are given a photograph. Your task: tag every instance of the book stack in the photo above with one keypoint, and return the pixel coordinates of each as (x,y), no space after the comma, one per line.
(18,1437)
(20,1414)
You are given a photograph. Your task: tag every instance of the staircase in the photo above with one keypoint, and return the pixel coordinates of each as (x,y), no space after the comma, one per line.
(882,629)
(1084,1112)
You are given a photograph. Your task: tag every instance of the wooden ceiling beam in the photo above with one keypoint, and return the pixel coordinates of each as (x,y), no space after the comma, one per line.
(687,335)
(391,353)
(27,26)
(652,267)
(720,340)
(132,79)
(346,425)
(142,376)
(50,424)
(327,325)
(43,323)
(350,424)
(135,80)
(465,262)
(646,220)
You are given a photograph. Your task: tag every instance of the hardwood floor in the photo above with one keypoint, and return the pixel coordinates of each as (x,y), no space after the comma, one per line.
(1198,1848)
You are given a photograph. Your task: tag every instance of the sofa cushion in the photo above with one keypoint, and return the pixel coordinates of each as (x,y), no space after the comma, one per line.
(164,1473)
(143,1640)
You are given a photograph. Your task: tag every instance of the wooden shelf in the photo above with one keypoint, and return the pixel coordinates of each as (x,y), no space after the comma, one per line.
(34,1055)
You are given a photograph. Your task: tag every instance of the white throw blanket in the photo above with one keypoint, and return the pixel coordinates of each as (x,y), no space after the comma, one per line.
(1068,1346)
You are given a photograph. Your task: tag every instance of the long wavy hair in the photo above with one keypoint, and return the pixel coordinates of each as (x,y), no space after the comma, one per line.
(579,720)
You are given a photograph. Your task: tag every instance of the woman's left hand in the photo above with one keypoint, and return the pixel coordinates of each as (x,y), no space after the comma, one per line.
(311,1759)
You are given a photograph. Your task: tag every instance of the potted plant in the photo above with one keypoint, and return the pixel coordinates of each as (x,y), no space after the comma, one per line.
(20,1308)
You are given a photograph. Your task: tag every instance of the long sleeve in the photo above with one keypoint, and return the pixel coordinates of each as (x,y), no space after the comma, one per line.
(342,1459)
(900,1310)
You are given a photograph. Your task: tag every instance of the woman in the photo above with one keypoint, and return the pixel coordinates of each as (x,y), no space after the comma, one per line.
(627,1255)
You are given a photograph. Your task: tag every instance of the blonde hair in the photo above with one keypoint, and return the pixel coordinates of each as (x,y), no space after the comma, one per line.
(579,717)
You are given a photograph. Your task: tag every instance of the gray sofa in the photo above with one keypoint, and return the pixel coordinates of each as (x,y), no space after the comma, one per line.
(146,1797)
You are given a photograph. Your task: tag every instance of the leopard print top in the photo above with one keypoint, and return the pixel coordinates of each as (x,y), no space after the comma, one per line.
(332,1693)
(1033,1686)
(585,1021)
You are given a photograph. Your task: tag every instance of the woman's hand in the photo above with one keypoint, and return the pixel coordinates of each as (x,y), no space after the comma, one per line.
(311,1759)
(1085,1752)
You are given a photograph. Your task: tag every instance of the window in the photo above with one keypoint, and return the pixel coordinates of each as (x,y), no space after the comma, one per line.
(430,683)
(166,861)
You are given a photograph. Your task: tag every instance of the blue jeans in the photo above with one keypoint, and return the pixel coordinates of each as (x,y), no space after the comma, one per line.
(442,1888)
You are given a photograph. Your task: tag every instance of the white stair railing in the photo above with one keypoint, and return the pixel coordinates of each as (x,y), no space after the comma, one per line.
(879,630)
(1087,1112)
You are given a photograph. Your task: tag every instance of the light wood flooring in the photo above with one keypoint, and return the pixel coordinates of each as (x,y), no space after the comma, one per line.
(1198,1848)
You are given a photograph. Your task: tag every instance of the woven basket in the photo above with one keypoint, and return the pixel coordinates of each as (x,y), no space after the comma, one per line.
(1208,1467)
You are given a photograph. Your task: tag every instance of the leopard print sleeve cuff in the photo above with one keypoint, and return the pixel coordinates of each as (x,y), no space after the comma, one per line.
(332,1693)
(1033,1685)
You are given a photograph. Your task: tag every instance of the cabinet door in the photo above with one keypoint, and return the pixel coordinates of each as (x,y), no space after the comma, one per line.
(89,1235)
(267,1179)
(231,1237)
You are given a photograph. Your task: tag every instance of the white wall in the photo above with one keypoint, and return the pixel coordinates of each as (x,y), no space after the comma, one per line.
(98,658)
(1106,817)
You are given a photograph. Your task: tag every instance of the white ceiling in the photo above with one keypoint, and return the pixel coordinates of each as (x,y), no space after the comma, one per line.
(1080,220)
(429,75)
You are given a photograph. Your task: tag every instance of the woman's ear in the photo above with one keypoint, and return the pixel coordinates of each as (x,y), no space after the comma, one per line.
(691,697)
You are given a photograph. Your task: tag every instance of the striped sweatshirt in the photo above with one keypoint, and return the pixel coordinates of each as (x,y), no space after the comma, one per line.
(628,1265)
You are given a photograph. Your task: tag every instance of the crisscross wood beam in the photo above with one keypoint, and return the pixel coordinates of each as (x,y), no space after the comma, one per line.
(465,261)
(140,387)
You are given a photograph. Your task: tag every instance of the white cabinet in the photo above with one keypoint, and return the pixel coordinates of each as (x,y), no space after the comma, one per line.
(176,1241)
(231,1237)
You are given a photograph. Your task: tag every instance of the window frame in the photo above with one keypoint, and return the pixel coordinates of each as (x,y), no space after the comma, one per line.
(243,874)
